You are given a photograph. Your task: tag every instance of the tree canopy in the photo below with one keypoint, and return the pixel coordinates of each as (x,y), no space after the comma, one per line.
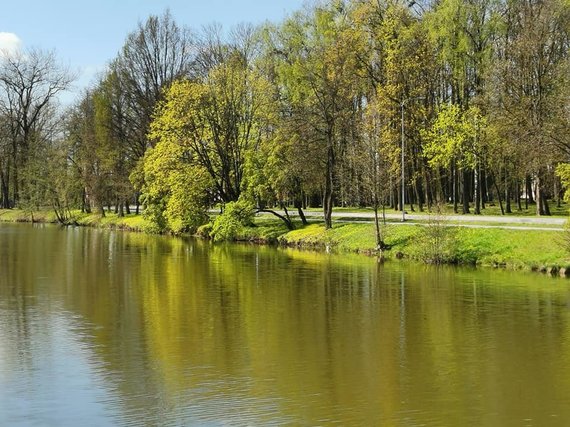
(307,112)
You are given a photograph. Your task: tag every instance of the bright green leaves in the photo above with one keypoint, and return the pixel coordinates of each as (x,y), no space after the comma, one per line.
(321,79)
(175,192)
(218,121)
(175,188)
(236,215)
(563,172)
(454,135)
(206,131)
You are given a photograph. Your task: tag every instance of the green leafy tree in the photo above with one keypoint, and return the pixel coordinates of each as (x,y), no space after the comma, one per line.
(235,217)
(455,139)
(218,121)
(320,74)
(176,192)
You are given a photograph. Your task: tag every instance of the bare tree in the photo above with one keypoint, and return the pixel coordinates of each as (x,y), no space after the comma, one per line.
(153,56)
(29,85)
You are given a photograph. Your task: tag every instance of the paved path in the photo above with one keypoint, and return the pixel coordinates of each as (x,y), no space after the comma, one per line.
(471,221)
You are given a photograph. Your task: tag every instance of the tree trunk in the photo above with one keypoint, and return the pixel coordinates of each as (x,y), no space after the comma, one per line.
(454,188)
(328,190)
(379,241)
(302,215)
(545,207)
(465,192)
(477,191)
(538,196)
(499,196)
(5,192)
(508,197)
(428,190)
(86,201)
(417,184)
(298,200)
(557,192)
(528,185)
(285,218)
(484,187)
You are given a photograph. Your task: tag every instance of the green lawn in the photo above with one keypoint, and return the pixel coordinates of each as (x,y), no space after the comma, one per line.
(111,220)
(481,246)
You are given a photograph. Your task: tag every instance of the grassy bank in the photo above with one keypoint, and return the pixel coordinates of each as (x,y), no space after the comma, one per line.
(515,249)
(130,222)
(494,247)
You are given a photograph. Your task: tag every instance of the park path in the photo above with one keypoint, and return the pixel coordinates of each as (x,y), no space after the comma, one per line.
(471,221)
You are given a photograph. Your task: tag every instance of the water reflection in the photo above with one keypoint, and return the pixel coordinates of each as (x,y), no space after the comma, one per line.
(128,329)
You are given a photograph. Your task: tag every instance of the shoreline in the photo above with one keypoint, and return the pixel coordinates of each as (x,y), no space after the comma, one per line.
(434,243)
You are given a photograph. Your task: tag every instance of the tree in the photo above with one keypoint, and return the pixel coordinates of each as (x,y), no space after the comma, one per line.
(528,85)
(455,138)
(374,158)
(217,122)
(176,192)
(320,76)
(92,150)
(400,59)
(156,54)
(29,85)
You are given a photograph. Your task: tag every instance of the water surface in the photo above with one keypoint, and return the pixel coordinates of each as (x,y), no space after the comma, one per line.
(110,328)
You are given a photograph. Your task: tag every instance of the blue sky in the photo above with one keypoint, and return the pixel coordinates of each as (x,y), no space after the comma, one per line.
(87,34)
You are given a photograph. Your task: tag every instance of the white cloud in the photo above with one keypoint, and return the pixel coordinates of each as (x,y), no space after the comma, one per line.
(10,43)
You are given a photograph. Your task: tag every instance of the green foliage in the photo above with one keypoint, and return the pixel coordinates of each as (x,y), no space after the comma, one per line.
(455,134)
(435,243)
(175,193)
(308,111)
(563,172)
(564,239)
(229,224)
(217,122)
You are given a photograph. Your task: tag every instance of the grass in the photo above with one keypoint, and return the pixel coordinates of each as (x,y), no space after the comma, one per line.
(353,237)
(110,220)
(17,215)
(130,222)
(516,249)
(265,230)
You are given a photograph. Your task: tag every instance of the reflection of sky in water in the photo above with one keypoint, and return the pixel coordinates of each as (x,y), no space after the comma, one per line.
(51,377)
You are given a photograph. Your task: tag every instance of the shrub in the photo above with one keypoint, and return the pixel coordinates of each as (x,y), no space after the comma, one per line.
(436,242)
(231,222)
(564,238)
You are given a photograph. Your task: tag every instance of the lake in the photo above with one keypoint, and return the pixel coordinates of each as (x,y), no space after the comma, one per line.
(110,328)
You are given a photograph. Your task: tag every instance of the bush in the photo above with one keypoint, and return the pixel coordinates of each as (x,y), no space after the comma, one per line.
(231,222)
(564,237)
(436,242)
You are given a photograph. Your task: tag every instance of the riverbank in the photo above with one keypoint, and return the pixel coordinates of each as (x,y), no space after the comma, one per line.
(436,241)
(130,222)
(433,242)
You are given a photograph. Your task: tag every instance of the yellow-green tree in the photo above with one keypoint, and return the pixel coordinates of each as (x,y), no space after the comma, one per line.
(207,128)
(320,76)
